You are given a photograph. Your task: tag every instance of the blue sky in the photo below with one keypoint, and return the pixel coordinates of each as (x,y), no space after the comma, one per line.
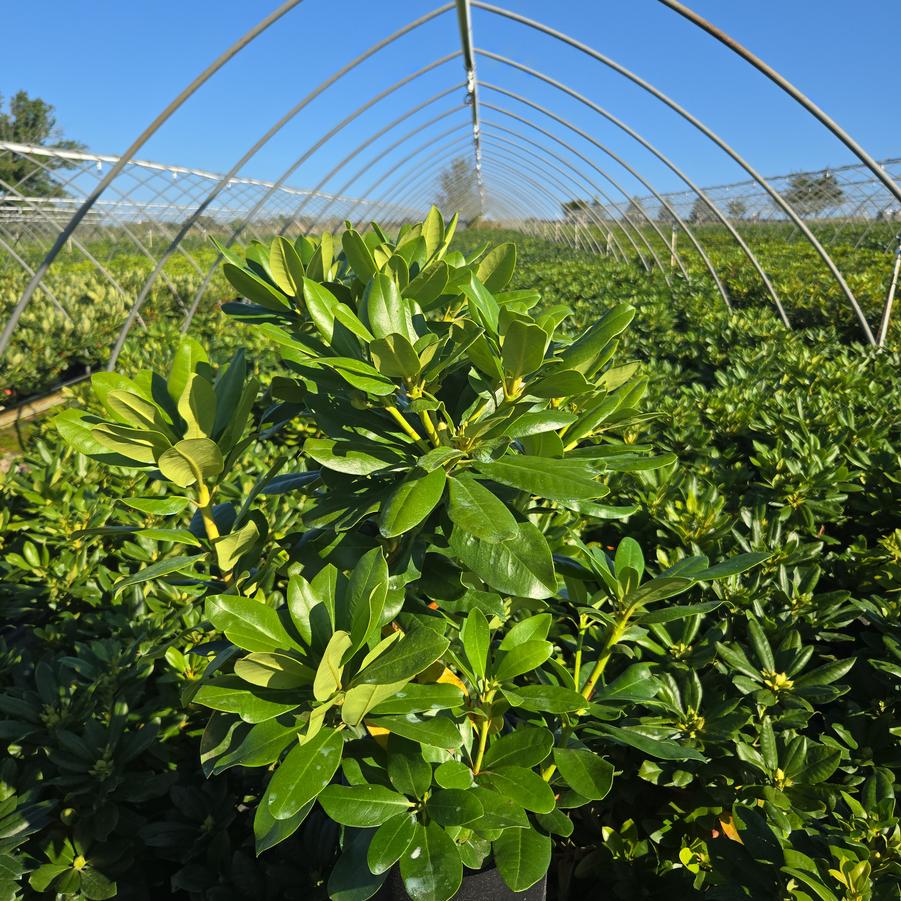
(109,67)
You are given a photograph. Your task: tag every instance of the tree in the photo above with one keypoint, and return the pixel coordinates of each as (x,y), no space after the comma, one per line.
(635,212)
(701,213)
(737,209)
(30,120)
(813,192)
(460,191)
(575,210)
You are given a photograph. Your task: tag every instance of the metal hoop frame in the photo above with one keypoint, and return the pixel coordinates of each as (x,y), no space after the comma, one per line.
(514,170)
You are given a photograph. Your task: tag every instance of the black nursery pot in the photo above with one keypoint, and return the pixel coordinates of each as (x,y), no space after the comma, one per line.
(485,885)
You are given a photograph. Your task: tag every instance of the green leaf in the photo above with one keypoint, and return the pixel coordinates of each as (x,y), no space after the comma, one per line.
(197,407)
(229,548)
(360,699)
(520,566)
(421,698)
(761,645)
(358,255)
(544,477)
(476,639)
(137,412)
(428,286)
(629,555)
(664,750)
(157,506)
(328,675)
(395,357)
(276,671)
(352,457)
(390,841)
(286,267)
(523,348)
(434,731)
(350,878)
(432,231)
(385,311)
(826,674)
(431,867)
(587,351)
(567,383)
(361,375)
(245,745)
(532,628)
(253,288)
(522,856)
(411,502)
(304,773)
(637,683)
(521,785)
(254,705)
(186,360)
(249,624)
(525,746)
(362,806)
(453,774)
(545,698)
(819,764)
(523,658)
(585,772)
(731,567)
(156,571)
(322,306)
(670,614)
(415,652)
(478,511)
(407,770)
(454,807)
(496,268)
(191,460)
(141,445)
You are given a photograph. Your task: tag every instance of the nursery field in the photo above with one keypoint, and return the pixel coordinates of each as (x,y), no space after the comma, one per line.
(384,579)
(75,318)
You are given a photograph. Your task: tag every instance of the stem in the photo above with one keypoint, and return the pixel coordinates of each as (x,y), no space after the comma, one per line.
(577,670)
(483,735)
(614,634)
(426,420)
(400,419)
(205,505)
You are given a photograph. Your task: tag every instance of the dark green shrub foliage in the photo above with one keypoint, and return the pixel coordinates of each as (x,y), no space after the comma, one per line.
(482,571)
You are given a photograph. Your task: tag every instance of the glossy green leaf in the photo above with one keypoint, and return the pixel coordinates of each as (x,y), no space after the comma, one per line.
(521,659)
(476,510)
(553,479)
(521,785)
(390,841)
(476,638)
(585,772)
(525,746)
(519,566)
(411,502)
(362,806)
(434,731)
(249,624)
(304,773)
(454,807)
(416,651)
(522,856)
(431,867)
(191,460)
